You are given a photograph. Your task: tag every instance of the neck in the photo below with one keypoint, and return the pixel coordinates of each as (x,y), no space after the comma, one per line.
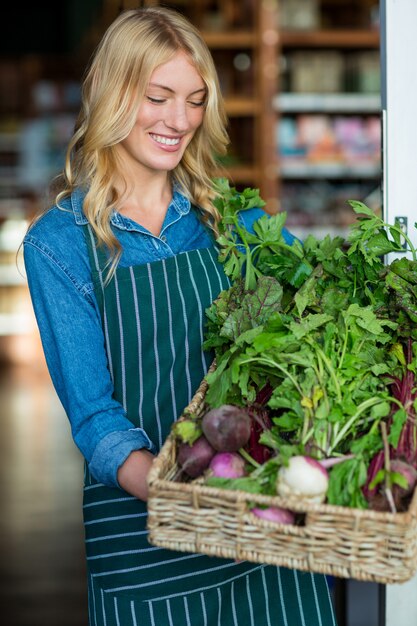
(146,200)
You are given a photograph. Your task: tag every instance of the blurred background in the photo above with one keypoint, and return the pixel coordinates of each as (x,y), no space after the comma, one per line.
(301,81)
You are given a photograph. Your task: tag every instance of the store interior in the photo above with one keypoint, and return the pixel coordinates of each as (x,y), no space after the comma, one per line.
(301,82)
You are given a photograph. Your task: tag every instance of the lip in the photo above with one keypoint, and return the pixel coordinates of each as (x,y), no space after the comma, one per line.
(166,147)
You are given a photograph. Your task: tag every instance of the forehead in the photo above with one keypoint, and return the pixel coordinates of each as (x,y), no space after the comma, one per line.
(179,73)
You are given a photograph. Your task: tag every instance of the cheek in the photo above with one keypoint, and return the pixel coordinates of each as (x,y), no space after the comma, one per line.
(197,118)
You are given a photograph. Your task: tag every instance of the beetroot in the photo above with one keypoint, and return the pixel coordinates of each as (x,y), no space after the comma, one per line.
(227,428)
(194,459)
(227,465)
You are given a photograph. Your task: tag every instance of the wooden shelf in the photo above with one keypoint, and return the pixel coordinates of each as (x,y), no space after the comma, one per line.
(242,173)
(237,106)
(230,39)
(330,39)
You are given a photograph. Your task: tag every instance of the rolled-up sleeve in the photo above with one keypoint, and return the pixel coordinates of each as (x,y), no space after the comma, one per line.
(73,342)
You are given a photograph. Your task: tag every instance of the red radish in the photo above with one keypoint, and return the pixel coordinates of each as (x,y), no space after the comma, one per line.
(303,477)
(227,465)
(195,458)
(227,428)
(275,514)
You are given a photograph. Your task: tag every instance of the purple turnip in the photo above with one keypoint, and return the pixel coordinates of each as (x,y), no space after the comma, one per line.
(194,459)
(227,465)
(303,477)
(275,514)
(227,428)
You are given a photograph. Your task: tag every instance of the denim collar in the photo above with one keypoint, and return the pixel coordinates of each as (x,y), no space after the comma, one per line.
(179,204)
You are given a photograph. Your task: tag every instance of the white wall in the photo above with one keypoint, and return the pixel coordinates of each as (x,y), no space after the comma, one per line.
(399,102)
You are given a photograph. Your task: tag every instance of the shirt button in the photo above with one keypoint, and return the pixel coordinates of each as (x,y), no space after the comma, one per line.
(163,238)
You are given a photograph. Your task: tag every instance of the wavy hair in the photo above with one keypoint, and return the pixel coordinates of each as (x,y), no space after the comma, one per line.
(137,42)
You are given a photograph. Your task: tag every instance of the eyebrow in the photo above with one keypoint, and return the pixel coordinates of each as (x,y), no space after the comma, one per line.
(203,89)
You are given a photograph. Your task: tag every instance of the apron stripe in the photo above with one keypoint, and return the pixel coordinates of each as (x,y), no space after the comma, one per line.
(121,553)
(156,355)
(203,607)
(139,339)
(268,617)
(122,346)
(248,593)
(313,583)
(187,613)
(186,345)
(219,614)
(200,312)
(232,594)
(171,340)
(282,599)
(300,605)
(118,536)
(116,611)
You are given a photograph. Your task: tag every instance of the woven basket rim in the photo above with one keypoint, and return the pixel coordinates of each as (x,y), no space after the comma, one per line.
(155,482)
(295,504)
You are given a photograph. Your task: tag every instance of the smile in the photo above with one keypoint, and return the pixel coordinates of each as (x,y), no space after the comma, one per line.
(167,141)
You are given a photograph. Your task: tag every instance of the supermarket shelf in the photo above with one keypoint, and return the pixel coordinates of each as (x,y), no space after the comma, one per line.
(329,170)
(330,39)
(236,106)
(230,39)
(327,103)
(319,232)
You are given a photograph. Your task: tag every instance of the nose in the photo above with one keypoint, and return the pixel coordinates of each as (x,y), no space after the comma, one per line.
(177,117)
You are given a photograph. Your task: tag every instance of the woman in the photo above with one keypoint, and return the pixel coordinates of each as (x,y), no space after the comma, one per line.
(120,272)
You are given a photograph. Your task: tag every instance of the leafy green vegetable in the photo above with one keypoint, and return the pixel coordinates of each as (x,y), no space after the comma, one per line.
(324,324)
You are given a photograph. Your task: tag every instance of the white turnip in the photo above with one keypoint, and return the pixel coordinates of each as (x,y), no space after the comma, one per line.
(227,465)
(303,477)
(227,428)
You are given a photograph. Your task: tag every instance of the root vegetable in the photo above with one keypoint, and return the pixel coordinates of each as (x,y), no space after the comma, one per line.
(303,477)
(227,465)
(194,459)
(275,514)
(227,428)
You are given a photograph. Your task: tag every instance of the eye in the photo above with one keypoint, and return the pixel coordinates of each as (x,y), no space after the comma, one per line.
(197,104)
(156,100)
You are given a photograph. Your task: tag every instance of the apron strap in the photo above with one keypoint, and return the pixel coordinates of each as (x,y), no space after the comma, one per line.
(96,254)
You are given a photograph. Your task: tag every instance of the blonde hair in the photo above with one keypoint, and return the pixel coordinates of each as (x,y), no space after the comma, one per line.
(136,43)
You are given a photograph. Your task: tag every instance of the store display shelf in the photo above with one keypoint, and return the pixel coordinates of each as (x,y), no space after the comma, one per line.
(319,232)
(329,170)
(358,103)
(330,39)
(242,173)
(239,106)
(230,39)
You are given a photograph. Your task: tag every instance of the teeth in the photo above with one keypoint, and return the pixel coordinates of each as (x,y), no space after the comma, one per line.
(165,140)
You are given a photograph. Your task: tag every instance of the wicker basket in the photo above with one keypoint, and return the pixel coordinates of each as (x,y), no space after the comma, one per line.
(335,540)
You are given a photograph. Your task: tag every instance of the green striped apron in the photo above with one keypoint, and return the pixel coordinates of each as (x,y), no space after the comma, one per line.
(153,323)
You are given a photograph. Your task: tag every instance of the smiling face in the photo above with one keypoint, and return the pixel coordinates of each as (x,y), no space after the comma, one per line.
(167,118)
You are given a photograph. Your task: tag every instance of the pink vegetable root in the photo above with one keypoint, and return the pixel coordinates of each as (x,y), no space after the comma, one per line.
(275,514)
(227,465)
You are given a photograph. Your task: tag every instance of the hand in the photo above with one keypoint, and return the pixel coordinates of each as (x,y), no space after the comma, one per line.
(133,473)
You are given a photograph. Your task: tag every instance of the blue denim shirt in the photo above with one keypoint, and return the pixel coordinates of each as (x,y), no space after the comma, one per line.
(60,283)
